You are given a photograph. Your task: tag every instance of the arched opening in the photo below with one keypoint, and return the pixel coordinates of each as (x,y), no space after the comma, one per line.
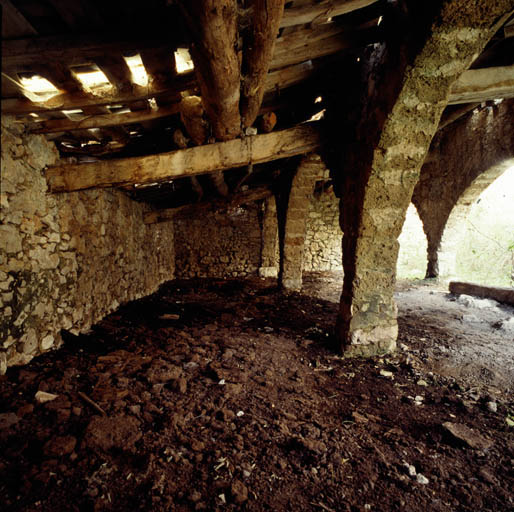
(412,258)
(477,241)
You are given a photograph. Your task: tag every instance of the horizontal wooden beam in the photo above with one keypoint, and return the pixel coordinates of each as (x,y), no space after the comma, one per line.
(321,11)
(503,295)
(477,85)
(184,162)
(103,120)
(193,210)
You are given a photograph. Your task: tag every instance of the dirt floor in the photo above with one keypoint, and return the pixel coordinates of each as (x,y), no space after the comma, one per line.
(227,395)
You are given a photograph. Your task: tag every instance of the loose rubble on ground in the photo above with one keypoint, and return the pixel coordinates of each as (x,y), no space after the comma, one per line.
(227,395)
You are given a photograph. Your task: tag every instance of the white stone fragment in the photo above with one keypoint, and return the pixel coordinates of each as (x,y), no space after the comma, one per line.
(43,397)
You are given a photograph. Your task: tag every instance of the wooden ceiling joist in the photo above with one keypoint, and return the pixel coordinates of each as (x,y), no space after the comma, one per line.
(319,12)
(258,50)
(73,101)
(185,162)
(104,120)
(214,30)
(194,210)
(477,85)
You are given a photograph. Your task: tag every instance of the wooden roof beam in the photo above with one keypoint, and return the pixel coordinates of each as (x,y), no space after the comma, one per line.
(184,162)
(259,45)
(193,210)
(321,11)
(477,85)
(213,27)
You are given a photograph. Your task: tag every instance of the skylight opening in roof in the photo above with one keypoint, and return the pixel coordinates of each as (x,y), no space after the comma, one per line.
(38,89)
(137,68)
(183,60)
(95,80)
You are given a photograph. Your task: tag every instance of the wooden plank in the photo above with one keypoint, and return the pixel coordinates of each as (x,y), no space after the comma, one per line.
(78,14)
(477,85)
(259,45)
(291,75)
(103,120)
(185,162)
(213,27)
(194,210)
(503,295)
(321,11)
(14,24)
(74,101)
(72,50)
(311,44)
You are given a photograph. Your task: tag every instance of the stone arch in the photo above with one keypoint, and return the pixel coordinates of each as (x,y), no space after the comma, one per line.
(452,233)
(292,232)
(463,160)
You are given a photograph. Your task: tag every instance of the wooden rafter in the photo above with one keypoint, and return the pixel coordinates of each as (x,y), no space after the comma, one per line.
(308,44)
(193,210)
(213,27)
(321,11)
(72,101)
(185,162)
(104,120)
(257,53)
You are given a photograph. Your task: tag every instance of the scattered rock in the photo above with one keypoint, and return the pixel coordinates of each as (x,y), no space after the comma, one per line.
(386,373)
(169,316)
(120,431)
(60,446)
(421,479)
(492,406)
(7,420)
(239,492)
(467,435)
(43,397)
(411,470)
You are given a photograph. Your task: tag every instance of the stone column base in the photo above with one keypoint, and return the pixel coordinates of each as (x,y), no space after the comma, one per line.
(378,341)
(268,272)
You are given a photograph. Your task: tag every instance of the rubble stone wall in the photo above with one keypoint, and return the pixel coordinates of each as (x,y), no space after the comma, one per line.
(66,260)
(323,249)
(224,244)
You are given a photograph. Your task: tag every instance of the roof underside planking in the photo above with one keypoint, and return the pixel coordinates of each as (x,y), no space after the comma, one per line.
(267,73)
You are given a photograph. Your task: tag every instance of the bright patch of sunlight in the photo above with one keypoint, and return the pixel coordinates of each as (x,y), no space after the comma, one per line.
(486,252)
(412,258)
(139,75)
(38,89)
(183,60)
(94,80)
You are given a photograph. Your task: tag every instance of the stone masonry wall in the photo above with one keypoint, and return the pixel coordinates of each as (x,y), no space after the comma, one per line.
(66,260)
(225,244)
(323,250)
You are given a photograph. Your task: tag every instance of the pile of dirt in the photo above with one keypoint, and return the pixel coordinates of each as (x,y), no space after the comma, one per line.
(227,395)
